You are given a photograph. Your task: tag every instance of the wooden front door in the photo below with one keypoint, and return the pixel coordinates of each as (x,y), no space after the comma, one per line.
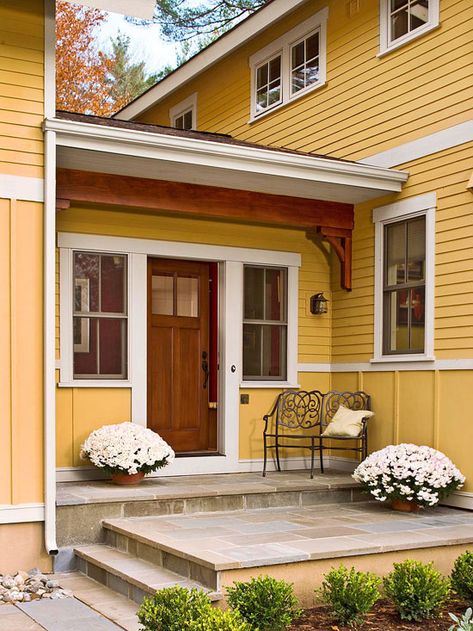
(178,353)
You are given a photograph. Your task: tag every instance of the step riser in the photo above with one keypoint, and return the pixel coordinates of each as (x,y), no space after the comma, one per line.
(81,524)
(116,583)
(188,569)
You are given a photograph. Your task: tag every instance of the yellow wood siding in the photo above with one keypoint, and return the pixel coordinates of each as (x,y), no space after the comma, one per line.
(21,357)
(368,104)
(447,173)
(423,407)
(21,87)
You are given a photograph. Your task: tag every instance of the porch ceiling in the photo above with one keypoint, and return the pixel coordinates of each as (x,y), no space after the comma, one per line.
(212,160)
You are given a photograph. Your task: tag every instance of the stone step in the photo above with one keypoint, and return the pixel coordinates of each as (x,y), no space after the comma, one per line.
(82,507)
(129,575)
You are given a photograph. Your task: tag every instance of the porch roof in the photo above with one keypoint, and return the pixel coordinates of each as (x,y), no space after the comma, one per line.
(103,145)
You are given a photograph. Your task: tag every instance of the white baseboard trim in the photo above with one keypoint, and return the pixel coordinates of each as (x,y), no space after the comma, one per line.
(389,366)
(21,513)
(459,499)
(78,474)
(28,189)
(425,146)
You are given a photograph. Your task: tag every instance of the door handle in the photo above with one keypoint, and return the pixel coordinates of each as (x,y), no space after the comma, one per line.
(205,368)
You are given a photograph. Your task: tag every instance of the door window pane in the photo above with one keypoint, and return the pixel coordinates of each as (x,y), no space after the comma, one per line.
(162,295)
(187,297)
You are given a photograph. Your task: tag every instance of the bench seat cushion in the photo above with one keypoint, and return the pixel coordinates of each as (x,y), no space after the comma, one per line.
(346,423)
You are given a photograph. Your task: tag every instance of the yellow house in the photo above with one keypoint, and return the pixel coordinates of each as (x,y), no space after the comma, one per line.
(319,147)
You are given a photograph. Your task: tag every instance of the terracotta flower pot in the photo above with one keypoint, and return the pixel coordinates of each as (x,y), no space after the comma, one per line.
(125,479)
(405,506)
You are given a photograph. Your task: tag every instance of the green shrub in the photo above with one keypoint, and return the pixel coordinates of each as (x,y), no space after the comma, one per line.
(265,603)
(173,609)
(462,576)
(218,620)
(465,623)
(416,589)
(350,594)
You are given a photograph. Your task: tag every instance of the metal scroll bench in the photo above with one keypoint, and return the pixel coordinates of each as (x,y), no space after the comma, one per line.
(298,419)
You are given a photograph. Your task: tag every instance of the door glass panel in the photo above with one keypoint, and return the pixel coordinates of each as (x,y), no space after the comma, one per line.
(188,297)
(162,295)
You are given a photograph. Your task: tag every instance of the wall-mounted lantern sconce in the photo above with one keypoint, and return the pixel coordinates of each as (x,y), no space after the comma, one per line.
(318,304)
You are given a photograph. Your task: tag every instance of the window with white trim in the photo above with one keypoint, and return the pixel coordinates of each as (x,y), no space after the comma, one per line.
(289,67)
(99,315)
(265,323)
(404,20)
(404,279)
(183,115)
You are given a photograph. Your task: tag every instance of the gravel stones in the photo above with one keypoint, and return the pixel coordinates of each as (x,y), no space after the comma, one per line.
(28,586)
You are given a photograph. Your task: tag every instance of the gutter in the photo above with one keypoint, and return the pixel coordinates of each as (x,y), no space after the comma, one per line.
(49,286)
(49,324)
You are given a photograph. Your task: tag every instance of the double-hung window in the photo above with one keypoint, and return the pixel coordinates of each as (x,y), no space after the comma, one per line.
(99,315)
(404,279)
(404,20)
(183,115)
(265,323)
(289,67)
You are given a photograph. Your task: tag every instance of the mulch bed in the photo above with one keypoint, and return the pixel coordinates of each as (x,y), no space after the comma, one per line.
(383,617)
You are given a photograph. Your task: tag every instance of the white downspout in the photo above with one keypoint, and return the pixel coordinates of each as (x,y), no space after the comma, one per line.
(49,288)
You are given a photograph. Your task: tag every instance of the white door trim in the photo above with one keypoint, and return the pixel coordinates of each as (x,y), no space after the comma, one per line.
(231,261)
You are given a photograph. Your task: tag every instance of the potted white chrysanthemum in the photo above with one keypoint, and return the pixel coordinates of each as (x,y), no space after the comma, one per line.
(127,451)
(409,476)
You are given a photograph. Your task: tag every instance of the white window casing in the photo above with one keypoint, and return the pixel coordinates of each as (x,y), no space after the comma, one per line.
(138,251)
(421,205)
(283,46)
(387,43)
(189,104)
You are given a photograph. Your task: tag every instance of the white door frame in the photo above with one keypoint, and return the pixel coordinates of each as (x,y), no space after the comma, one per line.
(231,261)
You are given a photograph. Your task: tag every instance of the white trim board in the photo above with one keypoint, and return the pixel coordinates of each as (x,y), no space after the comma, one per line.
(225,45)
(177,249)
(425,146)
(389,366)
(21,513)
(418,206)
(28,189)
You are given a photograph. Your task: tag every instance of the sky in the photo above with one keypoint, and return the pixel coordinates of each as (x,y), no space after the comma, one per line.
(146,42)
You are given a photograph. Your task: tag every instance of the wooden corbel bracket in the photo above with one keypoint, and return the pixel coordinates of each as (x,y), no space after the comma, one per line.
(341,241)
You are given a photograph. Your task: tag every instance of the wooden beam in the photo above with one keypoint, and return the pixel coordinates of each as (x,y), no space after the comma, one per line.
(341,242)
(201,201)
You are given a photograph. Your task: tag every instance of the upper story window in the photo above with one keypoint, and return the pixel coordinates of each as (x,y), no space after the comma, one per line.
(404,20)
(184,114)
(404,279)
(289,67)
(265,323)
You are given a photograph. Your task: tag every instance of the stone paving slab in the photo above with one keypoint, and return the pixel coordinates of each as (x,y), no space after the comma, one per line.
(74,493)
(267,536)
(105,601)
(13,619)
(68,614)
